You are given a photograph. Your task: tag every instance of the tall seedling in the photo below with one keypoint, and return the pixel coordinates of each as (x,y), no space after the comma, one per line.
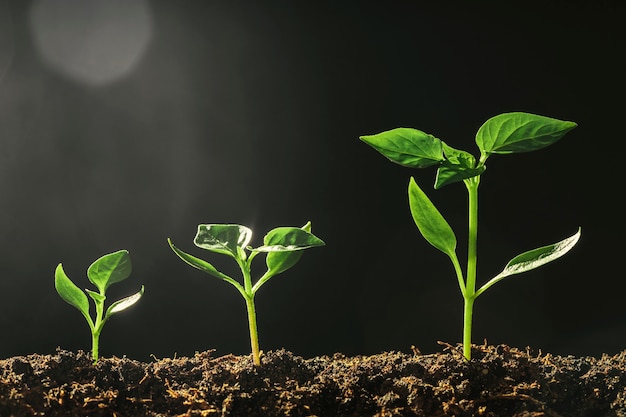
(503,134)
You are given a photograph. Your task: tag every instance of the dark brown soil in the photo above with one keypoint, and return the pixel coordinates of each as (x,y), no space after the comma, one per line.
(499,381)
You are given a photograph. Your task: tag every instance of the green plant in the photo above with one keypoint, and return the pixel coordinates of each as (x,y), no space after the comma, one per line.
(503,134)
(107,270)
(283,246)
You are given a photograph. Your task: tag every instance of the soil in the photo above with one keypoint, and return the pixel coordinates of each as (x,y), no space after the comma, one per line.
(498,381)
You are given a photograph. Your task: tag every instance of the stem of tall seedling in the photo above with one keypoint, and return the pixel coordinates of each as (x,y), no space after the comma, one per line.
(470,287)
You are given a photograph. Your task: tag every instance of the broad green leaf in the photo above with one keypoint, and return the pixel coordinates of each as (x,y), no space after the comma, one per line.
(533,259)
(109,269)
(520,132)
(227,239)
(407,147)
(430,222)
(279,261)
(459,165)
(69,292)
(124,303)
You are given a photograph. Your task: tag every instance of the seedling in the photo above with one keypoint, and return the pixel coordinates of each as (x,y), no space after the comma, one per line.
(503,134)
(283,246)
(107,270)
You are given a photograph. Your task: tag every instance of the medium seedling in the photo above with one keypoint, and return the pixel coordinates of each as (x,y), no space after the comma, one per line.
(107,270)
(503,134)
(283,246)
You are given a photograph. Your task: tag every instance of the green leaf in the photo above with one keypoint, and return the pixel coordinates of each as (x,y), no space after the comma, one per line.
(97,297)
(520,132)
(279,262)
(289,239)
(70,293)
(109,269)
(533,259)
(458,166)
(198,263)
(280,257)
(290,242)
(430,222)
(227,239)
(407,147)
(206,267)
(124,303)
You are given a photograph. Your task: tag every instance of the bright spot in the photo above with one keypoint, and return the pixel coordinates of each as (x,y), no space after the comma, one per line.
(93,41)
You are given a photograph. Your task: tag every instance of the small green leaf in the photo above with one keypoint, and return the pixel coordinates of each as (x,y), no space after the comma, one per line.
(206,267)
(198,263)
(533,259)
(520,132)
(407,147)
(70,293)
(109,269)
(124,303)
(289,239)
(458,166)
(284,246)
(281,260)
(430,222)
(227,239)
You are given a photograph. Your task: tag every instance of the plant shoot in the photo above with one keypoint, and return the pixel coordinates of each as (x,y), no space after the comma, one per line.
(503,134)
(107,270)
(283,246)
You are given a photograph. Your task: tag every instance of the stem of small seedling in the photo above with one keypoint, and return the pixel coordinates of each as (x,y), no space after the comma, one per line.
(95,340)
(97,329)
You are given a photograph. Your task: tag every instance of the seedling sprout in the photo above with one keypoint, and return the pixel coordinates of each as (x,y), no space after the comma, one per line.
(283,246)
(107,270)
(503,134)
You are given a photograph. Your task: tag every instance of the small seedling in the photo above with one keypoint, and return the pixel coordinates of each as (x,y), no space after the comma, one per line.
(503,134)
(107,270)
(283,246)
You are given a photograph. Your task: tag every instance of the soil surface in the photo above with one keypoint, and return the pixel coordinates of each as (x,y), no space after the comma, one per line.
(498,381)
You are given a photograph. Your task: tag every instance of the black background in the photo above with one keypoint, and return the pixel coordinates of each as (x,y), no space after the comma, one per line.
(250,113)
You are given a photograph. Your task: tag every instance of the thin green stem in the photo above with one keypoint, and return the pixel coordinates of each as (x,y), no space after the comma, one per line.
(249,296)
(95,340)
(470,284)
(97,327)
(254,336)
(468,309)
(472,189)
